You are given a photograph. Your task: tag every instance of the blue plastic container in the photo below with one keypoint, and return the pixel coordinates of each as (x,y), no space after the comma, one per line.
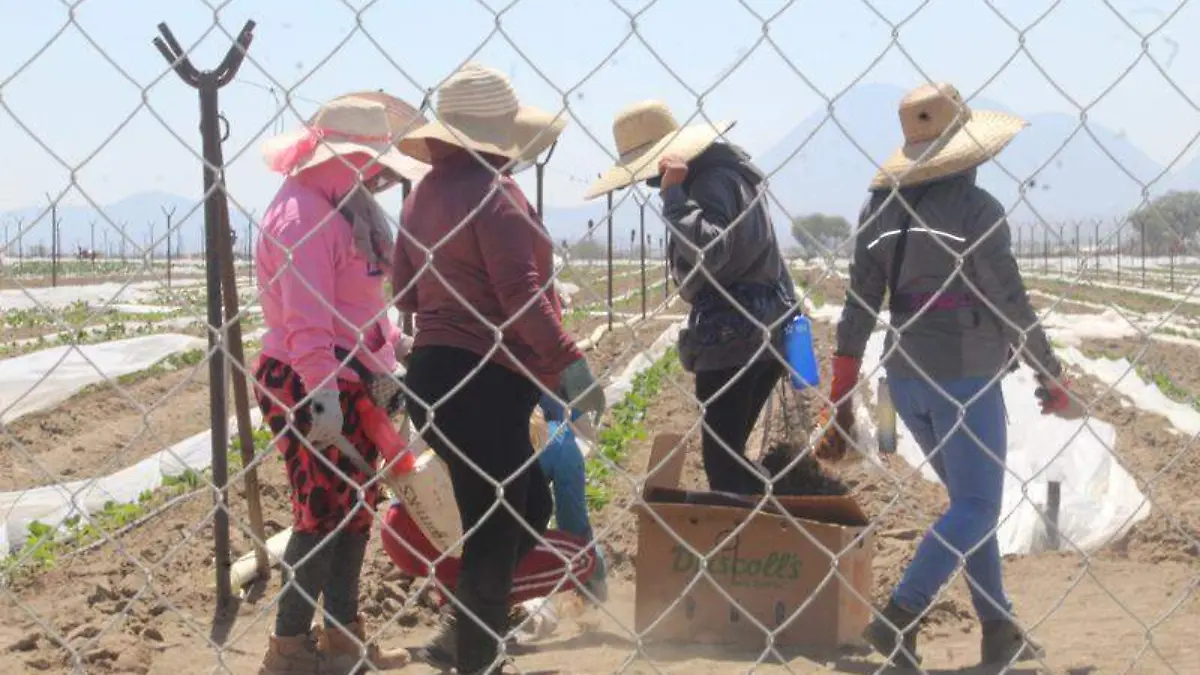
(798,346)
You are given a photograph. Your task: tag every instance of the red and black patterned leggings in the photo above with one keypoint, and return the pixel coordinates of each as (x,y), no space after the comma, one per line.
(321,499)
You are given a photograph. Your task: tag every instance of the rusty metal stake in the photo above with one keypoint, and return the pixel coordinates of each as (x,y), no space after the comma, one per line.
(218,245)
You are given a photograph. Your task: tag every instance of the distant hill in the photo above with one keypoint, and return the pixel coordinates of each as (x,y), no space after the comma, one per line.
(138,216)
(1069,173)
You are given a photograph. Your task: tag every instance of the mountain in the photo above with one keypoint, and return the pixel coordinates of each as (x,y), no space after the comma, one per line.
(821,165)
(138,216)
(1070,173)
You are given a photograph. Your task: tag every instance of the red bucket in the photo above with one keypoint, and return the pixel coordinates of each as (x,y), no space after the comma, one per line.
(560,558)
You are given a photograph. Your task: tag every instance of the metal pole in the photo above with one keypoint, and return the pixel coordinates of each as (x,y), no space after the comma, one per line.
(662,247)
(1143,255)
(53,241)
(1053,506)
(20,245)
(1062,251)
(169,215)
(642,246)
(1046,251)
(1172,266)
(610,260)
(1118,255)
(92,252)
(1077,249)
(407,323)
(1096,244)
(218,242)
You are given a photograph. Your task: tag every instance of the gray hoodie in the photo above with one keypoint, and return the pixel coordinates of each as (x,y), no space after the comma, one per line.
(987,314)
(715,211)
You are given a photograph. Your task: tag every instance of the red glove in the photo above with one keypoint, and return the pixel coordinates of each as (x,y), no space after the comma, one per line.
(832,446)
(1054,395)
(845,376)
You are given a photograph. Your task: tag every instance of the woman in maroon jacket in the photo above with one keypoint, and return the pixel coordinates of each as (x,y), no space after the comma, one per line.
(473,262)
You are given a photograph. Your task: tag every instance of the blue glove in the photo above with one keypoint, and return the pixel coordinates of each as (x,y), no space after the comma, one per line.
(580,390)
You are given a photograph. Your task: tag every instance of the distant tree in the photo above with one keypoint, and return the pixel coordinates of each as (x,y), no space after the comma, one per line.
(1168,221)
(588,249)
(820,229)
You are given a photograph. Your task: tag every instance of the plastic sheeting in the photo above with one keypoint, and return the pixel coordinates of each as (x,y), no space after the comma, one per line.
(1100,501)
(93,294)
(48,377)
(55,503)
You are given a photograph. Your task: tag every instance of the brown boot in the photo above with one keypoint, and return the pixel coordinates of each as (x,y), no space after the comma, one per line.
(337,643)
(299,656)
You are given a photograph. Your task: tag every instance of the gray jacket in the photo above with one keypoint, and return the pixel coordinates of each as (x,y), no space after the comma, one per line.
(718,226)
(985,311)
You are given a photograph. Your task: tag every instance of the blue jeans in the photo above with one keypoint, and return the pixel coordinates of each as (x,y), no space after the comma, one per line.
(562,462)
(974,478)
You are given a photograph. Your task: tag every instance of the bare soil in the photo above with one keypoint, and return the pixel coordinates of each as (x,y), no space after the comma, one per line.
(144,603)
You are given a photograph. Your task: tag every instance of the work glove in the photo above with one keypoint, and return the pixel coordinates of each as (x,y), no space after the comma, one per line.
(327,420)
(580,390)
(832,445)
(386,391)
(1054,396)
(404,347)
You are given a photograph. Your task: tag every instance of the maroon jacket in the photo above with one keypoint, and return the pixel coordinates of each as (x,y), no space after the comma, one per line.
(499,260)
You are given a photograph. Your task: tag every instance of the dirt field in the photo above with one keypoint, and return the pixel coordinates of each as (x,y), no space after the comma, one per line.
(144,604)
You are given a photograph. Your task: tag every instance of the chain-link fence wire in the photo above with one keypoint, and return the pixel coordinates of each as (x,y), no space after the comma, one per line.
(79,651)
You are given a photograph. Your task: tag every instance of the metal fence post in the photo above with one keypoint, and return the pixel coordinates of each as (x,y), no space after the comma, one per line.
(1053,506)
(169,214)
(53,241)
(610,260)
(642,247)
(406,322)
(218,245)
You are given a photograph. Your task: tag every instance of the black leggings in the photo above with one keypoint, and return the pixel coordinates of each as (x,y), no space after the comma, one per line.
(487,420)
(331,568)
(731,417)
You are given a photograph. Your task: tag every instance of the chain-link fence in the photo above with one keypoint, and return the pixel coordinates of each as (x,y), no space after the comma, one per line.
(944,422)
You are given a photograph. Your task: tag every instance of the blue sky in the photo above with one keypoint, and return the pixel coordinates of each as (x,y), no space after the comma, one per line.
(82,106)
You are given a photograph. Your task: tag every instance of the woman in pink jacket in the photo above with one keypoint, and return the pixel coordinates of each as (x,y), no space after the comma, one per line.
(322,257)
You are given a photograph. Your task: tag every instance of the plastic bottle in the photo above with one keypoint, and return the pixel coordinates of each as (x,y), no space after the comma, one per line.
(885,419)
(798,347)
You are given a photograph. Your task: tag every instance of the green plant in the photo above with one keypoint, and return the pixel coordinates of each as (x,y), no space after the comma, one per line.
(626,425)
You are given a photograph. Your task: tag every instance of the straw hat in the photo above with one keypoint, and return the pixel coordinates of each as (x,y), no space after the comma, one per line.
(645,132)
(943,136)
(478,109)
(368,123)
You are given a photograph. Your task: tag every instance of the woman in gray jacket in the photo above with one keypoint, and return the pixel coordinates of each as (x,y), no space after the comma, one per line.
(939,248)
(721,251)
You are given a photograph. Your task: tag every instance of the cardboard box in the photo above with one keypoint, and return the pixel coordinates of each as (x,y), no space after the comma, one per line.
(776,575)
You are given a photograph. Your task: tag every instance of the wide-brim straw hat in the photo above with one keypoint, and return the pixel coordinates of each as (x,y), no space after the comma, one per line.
(943,136)
(644,133)
(477,109)
(370,123)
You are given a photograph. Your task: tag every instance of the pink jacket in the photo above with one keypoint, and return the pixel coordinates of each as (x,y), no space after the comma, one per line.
(326,294)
